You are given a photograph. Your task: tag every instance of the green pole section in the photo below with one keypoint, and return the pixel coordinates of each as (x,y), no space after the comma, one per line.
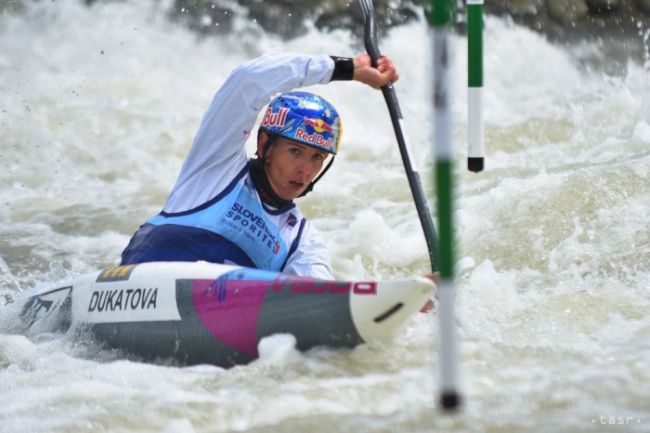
(441,19)
(441,13)
(475,135)
(475,43)
(444,189)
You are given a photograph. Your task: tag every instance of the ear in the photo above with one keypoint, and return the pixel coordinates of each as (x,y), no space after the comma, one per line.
(262,138)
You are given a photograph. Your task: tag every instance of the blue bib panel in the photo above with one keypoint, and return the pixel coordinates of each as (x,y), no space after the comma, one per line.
(233,227)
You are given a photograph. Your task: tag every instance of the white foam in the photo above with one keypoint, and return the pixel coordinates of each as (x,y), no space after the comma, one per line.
(278,349)
(552,238)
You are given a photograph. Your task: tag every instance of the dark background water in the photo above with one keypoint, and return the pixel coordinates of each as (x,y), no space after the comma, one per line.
(619,29)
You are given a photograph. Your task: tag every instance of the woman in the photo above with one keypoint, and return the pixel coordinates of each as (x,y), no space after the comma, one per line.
(225,208)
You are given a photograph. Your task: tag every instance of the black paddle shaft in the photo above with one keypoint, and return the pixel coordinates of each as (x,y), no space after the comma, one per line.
(370,40)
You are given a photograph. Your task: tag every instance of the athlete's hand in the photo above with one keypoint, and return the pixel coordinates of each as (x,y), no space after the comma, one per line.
(374,77)
(430,304)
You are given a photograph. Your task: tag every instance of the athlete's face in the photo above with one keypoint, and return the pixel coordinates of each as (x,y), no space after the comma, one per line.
(291,166)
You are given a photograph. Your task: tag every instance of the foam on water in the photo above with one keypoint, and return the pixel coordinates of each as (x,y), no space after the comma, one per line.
(98,107)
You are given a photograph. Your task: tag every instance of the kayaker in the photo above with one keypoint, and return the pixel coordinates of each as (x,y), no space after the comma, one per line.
(227,208)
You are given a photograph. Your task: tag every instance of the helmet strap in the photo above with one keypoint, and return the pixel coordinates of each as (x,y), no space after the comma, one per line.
(256,167)
(263,186)
(313,182)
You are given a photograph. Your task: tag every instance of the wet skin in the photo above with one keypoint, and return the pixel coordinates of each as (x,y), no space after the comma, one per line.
(291,166)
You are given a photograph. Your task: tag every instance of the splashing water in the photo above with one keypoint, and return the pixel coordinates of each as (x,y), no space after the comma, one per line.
(98,109)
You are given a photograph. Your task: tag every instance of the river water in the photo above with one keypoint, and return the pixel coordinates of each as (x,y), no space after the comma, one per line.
(98,108)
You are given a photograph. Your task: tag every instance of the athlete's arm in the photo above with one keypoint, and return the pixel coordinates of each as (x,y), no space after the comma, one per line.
(312,258)
(218,152)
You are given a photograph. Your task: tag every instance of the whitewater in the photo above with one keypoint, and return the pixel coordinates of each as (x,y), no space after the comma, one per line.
(98,108)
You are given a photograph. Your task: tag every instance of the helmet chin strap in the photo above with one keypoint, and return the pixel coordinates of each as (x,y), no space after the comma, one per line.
(263,186)
(313,182)
(261,180)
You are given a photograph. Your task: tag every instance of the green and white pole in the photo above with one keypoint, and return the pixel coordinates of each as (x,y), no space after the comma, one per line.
(476,130)
(441,19)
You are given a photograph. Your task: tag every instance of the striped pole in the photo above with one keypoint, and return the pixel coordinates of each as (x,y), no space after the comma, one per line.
(441,18)
(476,132)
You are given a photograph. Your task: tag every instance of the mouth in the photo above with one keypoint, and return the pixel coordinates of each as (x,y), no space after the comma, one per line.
(296,185)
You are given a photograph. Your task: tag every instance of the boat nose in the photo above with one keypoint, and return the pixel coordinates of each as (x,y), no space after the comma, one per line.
(379,314)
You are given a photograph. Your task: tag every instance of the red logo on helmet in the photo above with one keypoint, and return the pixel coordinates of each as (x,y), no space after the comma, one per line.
(275,119)
(316,139)
(319,125)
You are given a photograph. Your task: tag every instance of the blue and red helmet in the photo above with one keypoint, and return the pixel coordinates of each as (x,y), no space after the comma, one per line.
(305,118)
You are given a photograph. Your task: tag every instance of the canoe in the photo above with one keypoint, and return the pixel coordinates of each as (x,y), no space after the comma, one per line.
(198,312)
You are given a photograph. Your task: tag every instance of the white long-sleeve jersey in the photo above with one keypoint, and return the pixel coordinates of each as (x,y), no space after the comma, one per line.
(218,152)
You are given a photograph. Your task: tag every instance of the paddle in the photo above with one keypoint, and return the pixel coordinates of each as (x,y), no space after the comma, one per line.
(370,40)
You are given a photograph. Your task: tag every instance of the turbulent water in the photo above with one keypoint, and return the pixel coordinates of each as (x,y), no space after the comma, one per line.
(98,109)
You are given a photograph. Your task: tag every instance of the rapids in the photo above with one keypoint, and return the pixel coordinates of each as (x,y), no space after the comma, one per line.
(98,107)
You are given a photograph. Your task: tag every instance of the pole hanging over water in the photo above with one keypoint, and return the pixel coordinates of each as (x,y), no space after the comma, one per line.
(441,19)
(476,130)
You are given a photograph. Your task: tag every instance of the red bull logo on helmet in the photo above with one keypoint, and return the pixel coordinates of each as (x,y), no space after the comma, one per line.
(272,119)
(315,139)
(318,132)
(318,125)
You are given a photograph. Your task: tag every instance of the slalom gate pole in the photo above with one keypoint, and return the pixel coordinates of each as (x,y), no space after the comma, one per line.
(475,124)
(441,19)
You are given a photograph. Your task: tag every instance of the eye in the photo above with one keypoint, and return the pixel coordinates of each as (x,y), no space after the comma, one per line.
(319,156)
(295,150)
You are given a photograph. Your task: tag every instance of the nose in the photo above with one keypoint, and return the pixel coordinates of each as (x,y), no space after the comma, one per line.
(306,168)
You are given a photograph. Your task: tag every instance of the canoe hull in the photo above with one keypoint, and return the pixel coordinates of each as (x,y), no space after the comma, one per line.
(208,313)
